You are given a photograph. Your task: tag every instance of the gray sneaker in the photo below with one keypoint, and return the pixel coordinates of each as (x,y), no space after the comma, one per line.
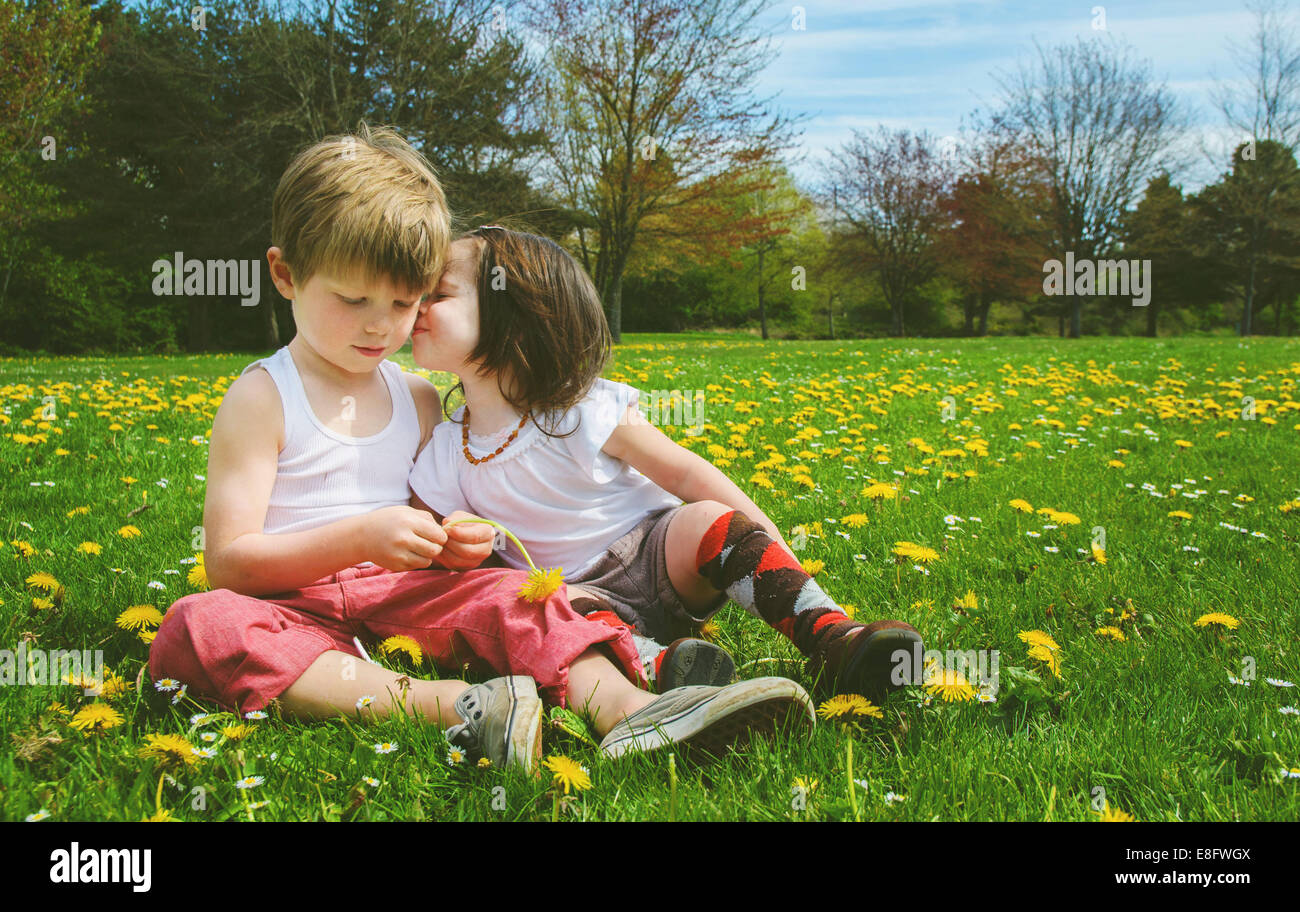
(503,722)
(710,719)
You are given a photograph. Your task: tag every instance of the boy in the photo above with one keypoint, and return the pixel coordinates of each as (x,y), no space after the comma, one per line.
(310,538)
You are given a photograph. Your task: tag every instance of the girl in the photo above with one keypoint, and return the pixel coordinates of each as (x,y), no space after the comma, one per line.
(639,524)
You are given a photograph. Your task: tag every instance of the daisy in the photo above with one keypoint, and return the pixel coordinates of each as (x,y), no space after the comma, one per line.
(385,747)
(370,781)
(1233,679)
(200,718)
(154,584)
(208,737)
(258,805)
(249,782)
(455,755)
(255,714)
(166,684)
(1278,682)
(568,773)
(1289,711)
(363,702)
(892,798)
(180,694)
(39,815)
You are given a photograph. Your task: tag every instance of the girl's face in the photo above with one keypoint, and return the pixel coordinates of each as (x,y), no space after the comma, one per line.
(446,331)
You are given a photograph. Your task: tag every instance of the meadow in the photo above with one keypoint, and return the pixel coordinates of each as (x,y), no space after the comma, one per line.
(1116,519)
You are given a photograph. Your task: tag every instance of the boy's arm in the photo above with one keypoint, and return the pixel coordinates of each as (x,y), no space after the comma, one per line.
(244,450)
(679,471)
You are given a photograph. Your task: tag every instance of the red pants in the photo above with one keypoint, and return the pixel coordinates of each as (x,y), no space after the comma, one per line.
(243,651)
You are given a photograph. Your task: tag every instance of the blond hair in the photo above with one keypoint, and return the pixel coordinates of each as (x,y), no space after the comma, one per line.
(368,201)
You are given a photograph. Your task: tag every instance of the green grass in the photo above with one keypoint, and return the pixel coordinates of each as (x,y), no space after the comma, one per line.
(1152,720)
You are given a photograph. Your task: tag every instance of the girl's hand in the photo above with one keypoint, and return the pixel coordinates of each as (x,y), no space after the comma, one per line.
(404,538)
(468,543)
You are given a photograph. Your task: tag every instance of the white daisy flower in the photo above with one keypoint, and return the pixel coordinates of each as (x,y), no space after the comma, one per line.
(385,747)
(1278,682)
(892,798)
(1052,549)
(207,753)
(455,755)
(249,782)
(255,714)
(166,684)
(370,781)
(154,584)
(258,805)
(1289,711)
(39,815)
(208,736)
(1233,679)
(200,718)
(363,702)
(180,694)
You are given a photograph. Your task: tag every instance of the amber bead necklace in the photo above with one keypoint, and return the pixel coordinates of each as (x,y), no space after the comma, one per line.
(464,440)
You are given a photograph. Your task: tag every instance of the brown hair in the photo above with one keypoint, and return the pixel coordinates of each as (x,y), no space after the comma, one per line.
(369,200)
(540,319)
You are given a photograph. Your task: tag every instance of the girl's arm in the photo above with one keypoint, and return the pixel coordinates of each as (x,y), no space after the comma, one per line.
(679,471)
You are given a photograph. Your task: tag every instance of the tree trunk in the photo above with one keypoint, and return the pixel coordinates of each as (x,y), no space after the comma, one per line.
(1076,311)
(762,310)
(615,305)
(1151,319)
(1247,312)
(830,313)
(986,302)
(968,311)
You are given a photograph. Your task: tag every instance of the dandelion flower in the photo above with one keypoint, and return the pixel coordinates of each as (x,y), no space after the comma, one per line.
(25,548)
(1115,815)
(1023,506)
(1038,638)
(1217,617)
(484,763)
(848,708)
(568,773)
(96,717)
(42,604)
(541,583)
(198,575)
(1065,519)
(44,581)
(237,732)
(855,520)
(949,684)
(812,567)
(1185,444)
(1113,632)
(1047,656)
(1098,553)
(137,617)
(879,491)
(162,815)
(171,751)
(129,532)
(1180,514)
(401,643)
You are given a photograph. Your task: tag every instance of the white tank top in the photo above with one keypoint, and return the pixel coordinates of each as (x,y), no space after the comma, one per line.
(323,476)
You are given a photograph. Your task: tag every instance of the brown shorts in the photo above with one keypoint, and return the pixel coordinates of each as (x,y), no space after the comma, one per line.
(632,576)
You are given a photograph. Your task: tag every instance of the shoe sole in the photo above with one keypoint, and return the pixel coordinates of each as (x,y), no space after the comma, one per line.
(869,670)
(727,719)
(696,662)
(524,726)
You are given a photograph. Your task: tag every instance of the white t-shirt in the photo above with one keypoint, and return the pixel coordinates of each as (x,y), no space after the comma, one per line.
(561,496)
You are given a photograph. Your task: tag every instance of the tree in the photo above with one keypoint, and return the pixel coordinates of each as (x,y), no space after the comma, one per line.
(1270,66)
(994,245)
(780,209)
(1250,221)
(1160,230)
(889,189)
(653,110)
(1101,129)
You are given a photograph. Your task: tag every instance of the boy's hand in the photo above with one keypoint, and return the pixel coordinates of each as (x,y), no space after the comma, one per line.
(404,538)
(468,543)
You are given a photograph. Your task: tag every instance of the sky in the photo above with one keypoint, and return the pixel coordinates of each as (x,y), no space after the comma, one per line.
(927,64)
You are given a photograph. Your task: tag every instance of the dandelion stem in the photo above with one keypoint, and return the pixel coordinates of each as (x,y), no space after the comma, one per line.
(848,762)
(497,525)
(672,788)
(157,798)
(555,805)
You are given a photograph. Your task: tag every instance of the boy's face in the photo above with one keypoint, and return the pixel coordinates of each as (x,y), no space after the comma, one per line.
(349,321)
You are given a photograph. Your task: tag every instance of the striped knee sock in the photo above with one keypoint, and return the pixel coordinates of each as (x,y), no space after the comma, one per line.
(738,557)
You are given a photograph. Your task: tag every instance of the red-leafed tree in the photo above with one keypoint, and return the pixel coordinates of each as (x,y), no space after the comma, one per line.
(994,245)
